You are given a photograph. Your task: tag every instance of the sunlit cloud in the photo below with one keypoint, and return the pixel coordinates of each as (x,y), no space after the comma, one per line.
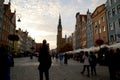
(80,1)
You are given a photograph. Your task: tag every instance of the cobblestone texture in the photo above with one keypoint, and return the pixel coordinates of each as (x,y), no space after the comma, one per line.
(26,69)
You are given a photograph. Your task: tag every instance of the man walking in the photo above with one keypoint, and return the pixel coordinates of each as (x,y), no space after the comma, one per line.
(45,60)
(93,61)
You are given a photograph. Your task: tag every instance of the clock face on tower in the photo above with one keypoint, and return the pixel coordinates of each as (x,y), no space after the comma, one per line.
(59,29)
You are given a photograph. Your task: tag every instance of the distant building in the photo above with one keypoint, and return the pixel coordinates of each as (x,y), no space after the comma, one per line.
(60,40)
(80,31)
(113,20)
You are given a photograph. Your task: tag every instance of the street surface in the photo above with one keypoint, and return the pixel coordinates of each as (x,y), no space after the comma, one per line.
(27,69)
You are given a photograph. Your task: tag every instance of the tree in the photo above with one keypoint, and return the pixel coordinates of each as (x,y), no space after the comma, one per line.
(66,47)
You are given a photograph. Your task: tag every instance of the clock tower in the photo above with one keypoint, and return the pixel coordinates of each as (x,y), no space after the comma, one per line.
(59,34)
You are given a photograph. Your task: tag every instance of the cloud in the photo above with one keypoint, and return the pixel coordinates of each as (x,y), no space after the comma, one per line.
(94,3)
(80,1)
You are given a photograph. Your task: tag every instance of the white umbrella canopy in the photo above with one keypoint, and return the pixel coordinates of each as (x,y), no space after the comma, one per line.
(116,45)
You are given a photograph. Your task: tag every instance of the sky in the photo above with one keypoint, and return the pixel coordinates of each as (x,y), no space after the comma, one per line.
(40,17)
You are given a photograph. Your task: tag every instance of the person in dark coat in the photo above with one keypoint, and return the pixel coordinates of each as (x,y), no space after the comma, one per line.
(111,64)
(117,64)
(45,60)
(93,61)
(65,58)
(3,63)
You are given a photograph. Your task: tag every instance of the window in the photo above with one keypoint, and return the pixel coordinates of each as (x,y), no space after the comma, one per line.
(111,38)
(109,14)
(103,28)
(96,31)
(113,11)
(100,30)
(113,1)
(95,23)
(102,19)
(104,39)
(118,8)
(99,22)
(111,27)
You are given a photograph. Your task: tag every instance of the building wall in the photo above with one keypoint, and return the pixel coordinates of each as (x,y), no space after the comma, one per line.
(12,28)
(1,18)
(77,32)
(6,25)
(113,19)
(74,41)
(83,20)
(100,24)
(89,30)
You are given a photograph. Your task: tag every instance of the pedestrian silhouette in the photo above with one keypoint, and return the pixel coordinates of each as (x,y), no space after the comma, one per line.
(45,61)
(86,63)
(65,58)
(111,64)
(60,58)
(4,65)
(93,61)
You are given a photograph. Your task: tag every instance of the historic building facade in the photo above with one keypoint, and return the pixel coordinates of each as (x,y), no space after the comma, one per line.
(100,24)
(77,33)
(59,34)
(60,40)
(83,21)
(1,18)
(113,20)
(6,25)
(89,30)
(80,31)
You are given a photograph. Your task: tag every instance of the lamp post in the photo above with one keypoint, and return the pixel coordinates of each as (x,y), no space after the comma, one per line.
(19,18)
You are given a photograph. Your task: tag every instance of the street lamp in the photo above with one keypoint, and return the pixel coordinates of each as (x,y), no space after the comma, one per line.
(19,20)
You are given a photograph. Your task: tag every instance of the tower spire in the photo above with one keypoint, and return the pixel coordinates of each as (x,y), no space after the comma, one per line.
(9,2)
(59,19)
(59,24)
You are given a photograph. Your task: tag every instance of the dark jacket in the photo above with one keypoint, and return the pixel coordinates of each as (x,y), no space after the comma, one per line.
(44,58)
(92,60)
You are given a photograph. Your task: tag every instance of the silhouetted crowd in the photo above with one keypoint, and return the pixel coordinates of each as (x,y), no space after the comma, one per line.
(111,58)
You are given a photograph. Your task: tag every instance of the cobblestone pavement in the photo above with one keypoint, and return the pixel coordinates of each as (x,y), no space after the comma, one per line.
(26,69)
